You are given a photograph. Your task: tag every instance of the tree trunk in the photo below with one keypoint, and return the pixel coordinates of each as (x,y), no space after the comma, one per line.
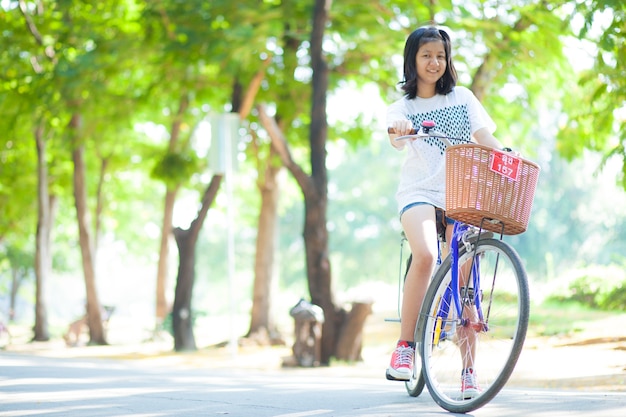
(16,281)
(182,312)
(314,187)
(492,66)
(94,317)
(104,163)
(319,273)
(483,76)
(43,264)
(168,215)
(260,319)
(316,195)
(166,230)
(182,320)
(350,341)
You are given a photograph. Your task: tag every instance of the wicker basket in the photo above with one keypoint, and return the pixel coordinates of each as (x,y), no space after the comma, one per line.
(475,194)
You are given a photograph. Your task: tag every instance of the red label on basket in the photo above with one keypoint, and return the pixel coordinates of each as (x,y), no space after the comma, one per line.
(505,164)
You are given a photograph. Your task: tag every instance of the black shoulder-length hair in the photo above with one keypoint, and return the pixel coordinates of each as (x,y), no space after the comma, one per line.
(413,43)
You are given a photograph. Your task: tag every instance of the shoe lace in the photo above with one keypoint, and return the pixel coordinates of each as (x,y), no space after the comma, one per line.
(469,380)
(404,356)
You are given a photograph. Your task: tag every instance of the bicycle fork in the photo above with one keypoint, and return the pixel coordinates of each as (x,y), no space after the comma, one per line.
(459,298)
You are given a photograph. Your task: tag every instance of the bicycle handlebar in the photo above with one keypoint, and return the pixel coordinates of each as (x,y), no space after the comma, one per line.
(427,130)
(391,130)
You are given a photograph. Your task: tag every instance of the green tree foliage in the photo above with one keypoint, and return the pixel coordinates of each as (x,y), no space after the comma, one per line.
(126,66)
(177,168)
(596,287)
(596,107)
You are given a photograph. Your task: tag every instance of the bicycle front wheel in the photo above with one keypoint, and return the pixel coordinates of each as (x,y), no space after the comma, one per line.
(487,337)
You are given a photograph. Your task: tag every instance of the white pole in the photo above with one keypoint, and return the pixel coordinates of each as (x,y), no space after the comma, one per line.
(230,213)
(224,137)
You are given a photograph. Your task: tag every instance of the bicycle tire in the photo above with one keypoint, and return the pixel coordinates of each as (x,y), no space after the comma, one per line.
(505,305)
(416,384)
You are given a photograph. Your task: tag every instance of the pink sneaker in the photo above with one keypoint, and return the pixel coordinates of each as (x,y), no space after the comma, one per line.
(401,366)
(469,384)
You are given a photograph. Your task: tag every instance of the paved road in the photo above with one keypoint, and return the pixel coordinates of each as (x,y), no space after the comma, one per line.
(33,385)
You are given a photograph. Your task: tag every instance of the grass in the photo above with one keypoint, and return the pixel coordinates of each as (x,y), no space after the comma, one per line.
(563,318)
(546,319)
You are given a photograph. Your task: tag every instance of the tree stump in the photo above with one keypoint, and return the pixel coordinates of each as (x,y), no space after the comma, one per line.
(307,347)
(350,341)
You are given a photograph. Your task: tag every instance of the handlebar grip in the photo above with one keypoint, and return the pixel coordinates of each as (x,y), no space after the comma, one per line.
(393,131)
(427,125)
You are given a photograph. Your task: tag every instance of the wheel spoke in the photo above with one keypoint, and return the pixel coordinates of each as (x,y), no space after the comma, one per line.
(488,335)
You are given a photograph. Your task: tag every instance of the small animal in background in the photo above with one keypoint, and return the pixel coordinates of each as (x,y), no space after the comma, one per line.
(74,330)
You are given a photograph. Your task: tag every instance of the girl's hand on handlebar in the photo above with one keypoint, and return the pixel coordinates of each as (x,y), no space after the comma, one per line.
(401,127)
(512,152)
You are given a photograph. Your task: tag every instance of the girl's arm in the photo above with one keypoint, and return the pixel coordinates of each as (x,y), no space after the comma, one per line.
(484,137)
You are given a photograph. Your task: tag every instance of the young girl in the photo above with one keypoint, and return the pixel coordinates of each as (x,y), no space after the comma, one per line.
(430,94)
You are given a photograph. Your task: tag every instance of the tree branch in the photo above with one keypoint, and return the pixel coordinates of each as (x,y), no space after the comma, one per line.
(253,89)
(29,23)
(207,199)
(32,28)
(280,143)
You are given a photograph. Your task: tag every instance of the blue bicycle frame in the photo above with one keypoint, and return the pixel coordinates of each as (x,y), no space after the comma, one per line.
(452,294)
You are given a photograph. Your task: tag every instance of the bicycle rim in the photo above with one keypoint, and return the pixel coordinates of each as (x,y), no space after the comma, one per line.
(491,345)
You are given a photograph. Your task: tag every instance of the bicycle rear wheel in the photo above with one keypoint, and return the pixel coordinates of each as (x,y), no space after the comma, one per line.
(415,385)
(492,340)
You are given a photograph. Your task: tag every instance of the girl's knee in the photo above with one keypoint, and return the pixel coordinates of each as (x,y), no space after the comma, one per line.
(425,260)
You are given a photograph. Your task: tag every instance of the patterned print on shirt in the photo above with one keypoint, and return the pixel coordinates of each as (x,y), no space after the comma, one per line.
(451,121)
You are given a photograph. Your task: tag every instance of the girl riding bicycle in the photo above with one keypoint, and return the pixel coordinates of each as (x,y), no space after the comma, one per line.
(431,93)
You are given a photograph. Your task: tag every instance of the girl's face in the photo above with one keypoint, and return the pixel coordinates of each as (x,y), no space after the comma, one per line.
(431,63)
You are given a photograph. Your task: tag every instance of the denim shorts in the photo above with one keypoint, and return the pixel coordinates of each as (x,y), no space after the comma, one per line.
(441,220)
(421,203)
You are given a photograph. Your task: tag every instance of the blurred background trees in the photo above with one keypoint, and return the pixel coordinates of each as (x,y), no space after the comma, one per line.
(104,148)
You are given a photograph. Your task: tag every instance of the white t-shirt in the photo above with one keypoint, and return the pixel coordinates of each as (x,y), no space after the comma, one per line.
(458,115)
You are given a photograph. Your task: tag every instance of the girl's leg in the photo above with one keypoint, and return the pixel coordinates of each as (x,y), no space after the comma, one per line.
(421,232)
(467,335)
(467,338)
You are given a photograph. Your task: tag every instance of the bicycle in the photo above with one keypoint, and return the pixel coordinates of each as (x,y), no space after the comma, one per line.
(477,304)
